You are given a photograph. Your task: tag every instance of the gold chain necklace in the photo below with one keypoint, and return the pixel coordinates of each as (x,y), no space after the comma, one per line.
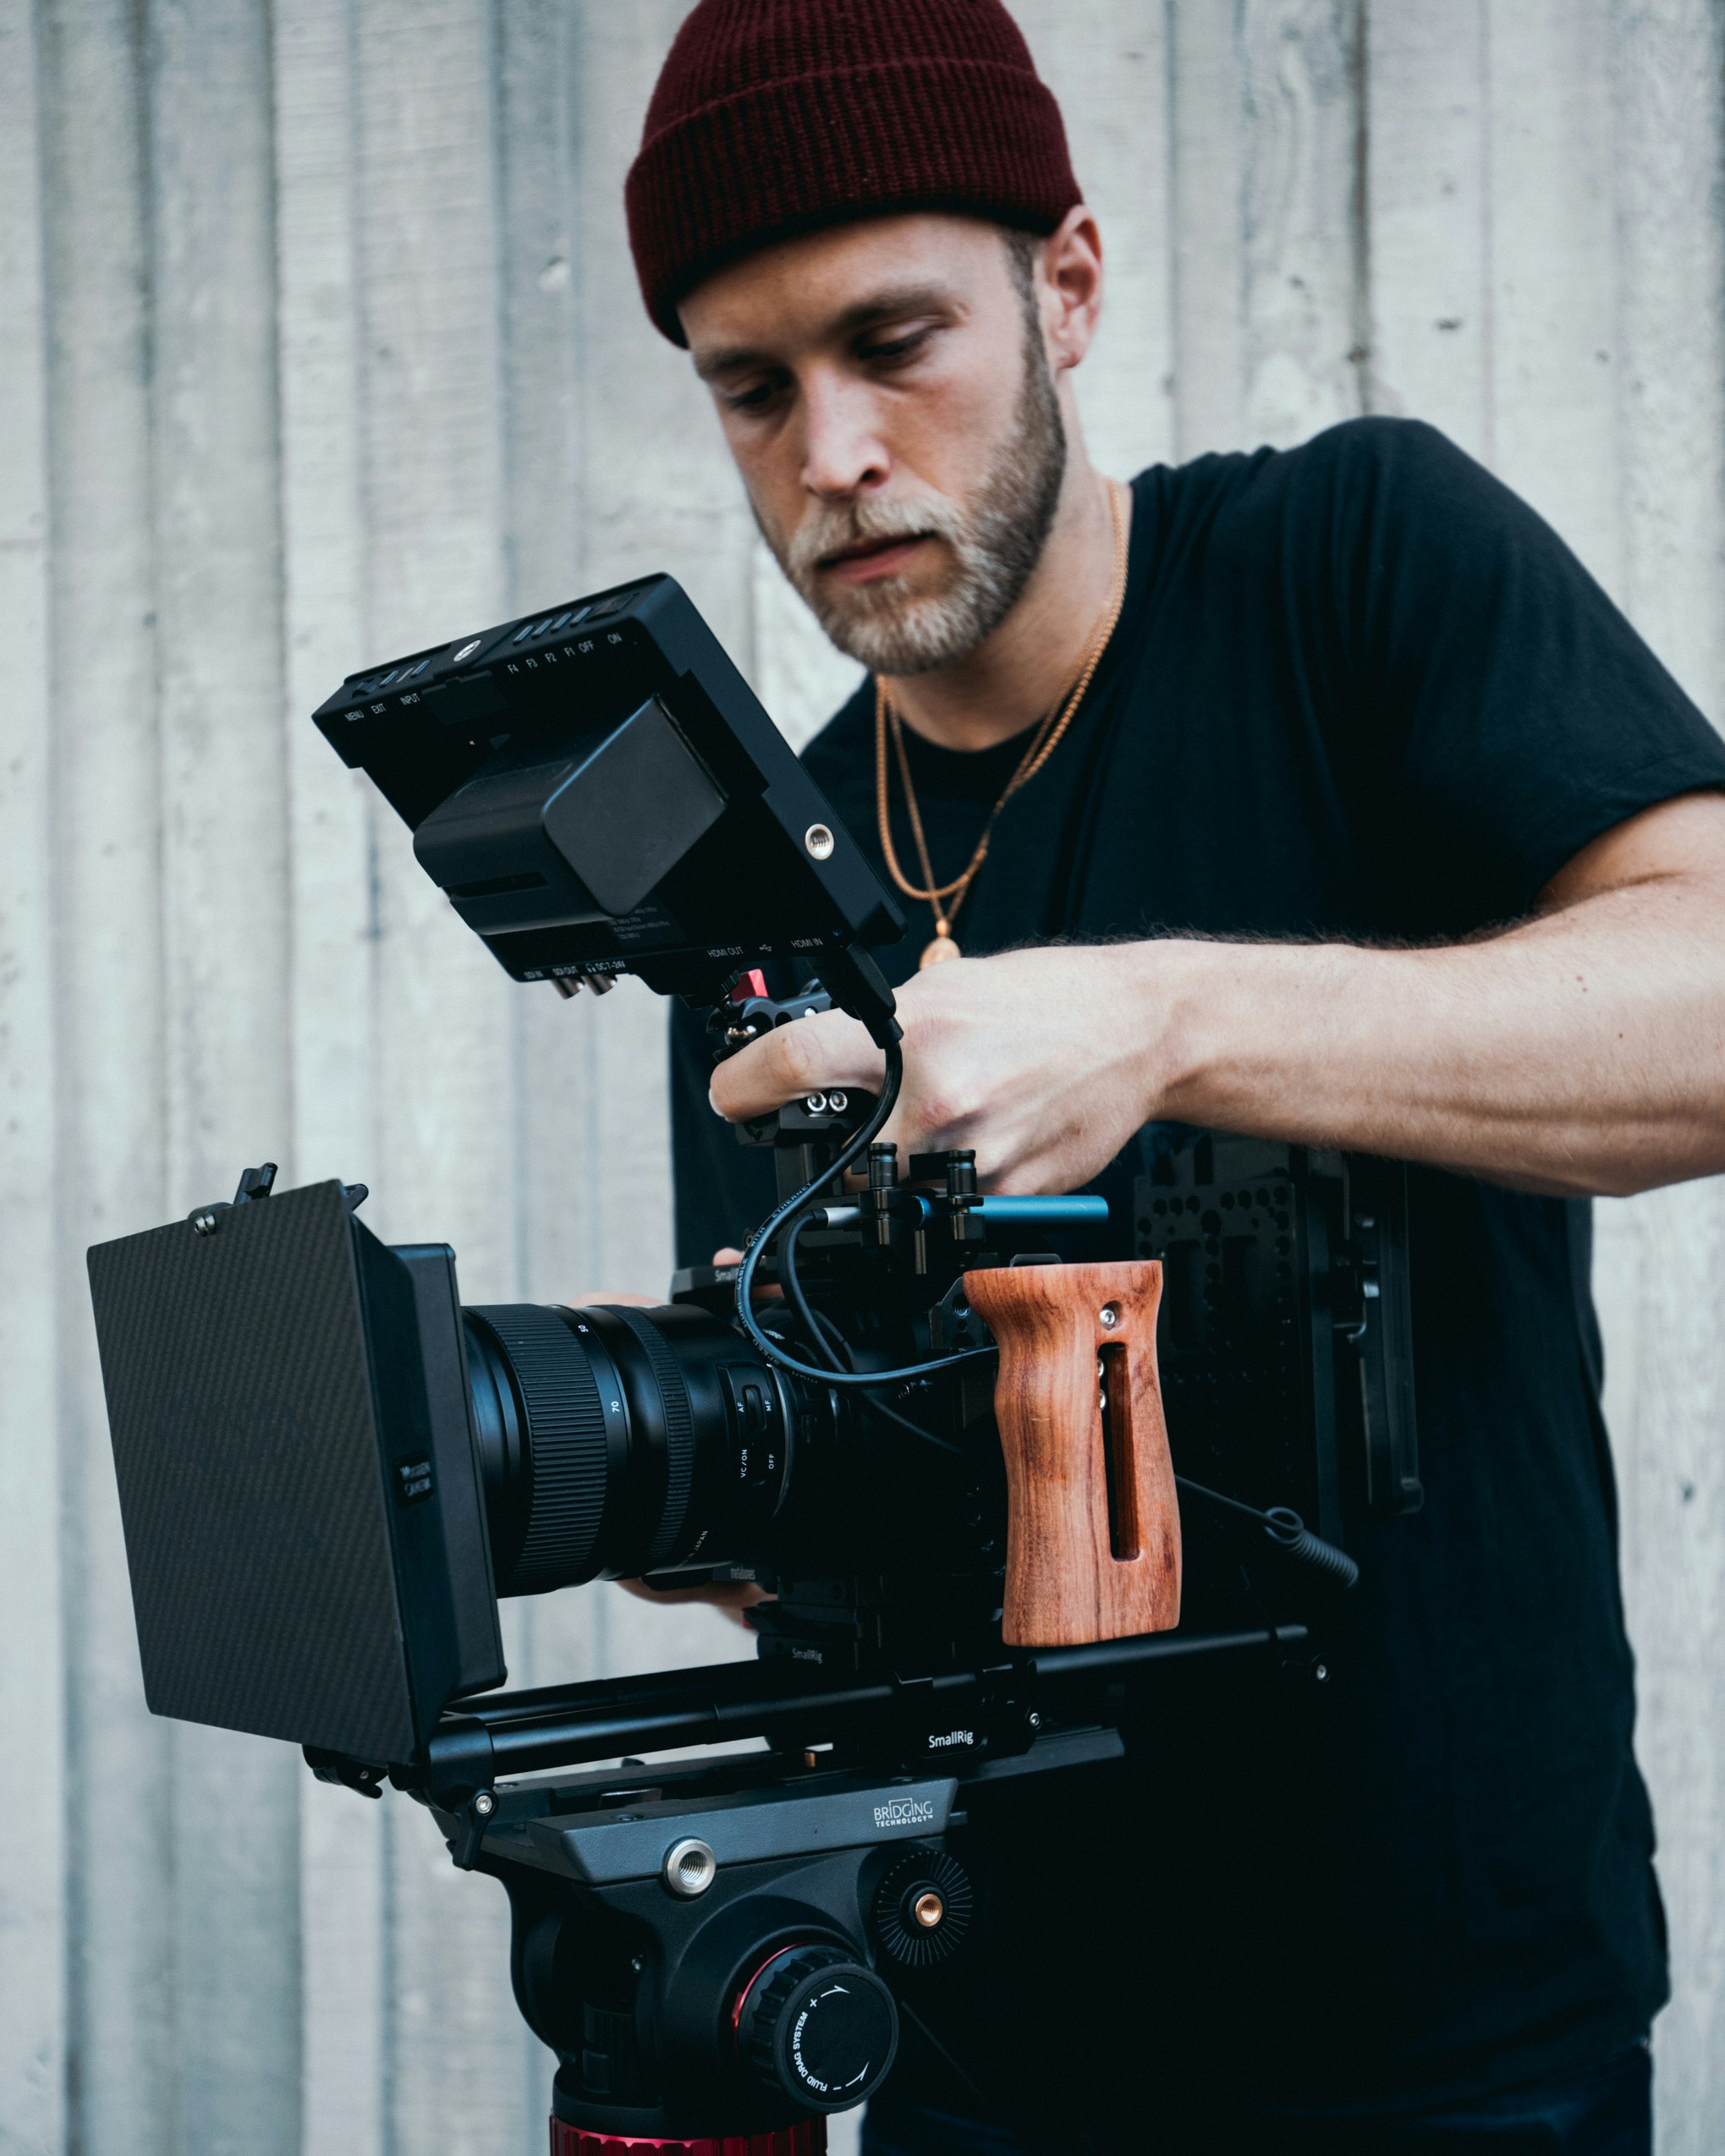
(1043,743)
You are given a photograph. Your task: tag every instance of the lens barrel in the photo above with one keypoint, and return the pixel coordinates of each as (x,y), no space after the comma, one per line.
(616,1440)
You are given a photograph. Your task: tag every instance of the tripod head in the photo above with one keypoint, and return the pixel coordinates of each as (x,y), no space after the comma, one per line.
(742,1941)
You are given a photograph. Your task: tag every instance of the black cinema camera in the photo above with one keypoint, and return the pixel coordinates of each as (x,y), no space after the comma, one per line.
(946,1428)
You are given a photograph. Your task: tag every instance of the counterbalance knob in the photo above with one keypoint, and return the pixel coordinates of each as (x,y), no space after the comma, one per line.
(815,2023)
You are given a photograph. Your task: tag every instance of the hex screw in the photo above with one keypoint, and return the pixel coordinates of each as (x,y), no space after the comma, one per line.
(485,1804)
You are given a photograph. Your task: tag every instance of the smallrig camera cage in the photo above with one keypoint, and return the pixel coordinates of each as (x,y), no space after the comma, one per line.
(598,791)
(305,1529)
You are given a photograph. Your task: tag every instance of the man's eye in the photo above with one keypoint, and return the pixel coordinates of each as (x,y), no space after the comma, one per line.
(894,350)
(754,396)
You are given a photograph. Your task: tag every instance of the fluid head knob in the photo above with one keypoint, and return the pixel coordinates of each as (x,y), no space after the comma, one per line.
(818,2025)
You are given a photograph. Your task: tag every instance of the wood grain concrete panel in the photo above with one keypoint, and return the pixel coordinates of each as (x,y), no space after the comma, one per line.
(345,1971)
(661,489)
(218,554)
(1107,61)
(540,54)
(216,528)
(1661,1257)
(332,982)
(109,1164)
(540,71)
(660,493)
(432,505)
(32,1676)
(432,502)
(1306,318)
(1667,1413)
(1207,149)
(1667,62)
(1426,189)
(324,577)
(427,227)
(1553,254)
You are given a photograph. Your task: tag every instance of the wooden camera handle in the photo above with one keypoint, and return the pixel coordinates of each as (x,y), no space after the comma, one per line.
(1093,1525)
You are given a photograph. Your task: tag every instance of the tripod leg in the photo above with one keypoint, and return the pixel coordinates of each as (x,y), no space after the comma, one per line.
(808,2138)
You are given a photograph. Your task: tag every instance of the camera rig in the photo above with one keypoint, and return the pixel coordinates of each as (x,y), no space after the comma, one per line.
(930,1418)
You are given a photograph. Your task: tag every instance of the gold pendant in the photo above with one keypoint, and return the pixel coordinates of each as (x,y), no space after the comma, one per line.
(940,949)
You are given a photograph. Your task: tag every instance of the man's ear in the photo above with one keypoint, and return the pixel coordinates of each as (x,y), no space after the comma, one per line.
(1070,286)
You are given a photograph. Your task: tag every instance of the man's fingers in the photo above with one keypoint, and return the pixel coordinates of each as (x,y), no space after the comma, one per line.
(730,1597)
(809,1055)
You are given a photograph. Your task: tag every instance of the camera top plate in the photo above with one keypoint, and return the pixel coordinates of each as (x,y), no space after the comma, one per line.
(598,791)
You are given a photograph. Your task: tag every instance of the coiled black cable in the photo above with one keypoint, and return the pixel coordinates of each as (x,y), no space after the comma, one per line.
(1287,1531)
(1290,1533)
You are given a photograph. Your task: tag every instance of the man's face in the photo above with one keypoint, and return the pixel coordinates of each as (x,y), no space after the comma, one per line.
(885,390)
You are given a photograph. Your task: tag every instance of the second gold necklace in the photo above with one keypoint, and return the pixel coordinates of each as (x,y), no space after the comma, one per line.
(945,899)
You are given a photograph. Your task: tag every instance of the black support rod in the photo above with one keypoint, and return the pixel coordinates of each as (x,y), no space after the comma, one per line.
(564,1725)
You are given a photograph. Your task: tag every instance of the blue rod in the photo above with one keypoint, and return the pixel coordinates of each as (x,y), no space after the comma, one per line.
(1052,1211)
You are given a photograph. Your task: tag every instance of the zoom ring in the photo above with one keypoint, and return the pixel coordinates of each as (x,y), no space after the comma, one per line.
(566,1432)
(679,1430)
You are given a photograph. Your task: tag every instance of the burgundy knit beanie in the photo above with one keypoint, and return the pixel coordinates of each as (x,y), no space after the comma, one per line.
(775,116)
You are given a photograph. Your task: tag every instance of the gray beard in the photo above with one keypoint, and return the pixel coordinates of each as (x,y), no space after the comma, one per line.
(996,538)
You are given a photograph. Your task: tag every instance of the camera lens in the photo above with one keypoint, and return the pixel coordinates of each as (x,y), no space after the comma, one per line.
(617,1442)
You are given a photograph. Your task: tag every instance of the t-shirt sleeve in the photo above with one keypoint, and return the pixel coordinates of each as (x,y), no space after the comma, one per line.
(1505,710)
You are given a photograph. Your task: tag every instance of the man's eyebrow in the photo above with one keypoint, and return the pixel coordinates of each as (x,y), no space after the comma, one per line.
(863,314)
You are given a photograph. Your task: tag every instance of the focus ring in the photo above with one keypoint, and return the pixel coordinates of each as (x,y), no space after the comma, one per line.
(679,1429)
(566,1445)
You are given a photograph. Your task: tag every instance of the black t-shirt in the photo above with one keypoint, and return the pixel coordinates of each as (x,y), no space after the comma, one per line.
(1358,689)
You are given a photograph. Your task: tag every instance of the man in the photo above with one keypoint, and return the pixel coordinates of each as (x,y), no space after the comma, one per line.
(1318,795)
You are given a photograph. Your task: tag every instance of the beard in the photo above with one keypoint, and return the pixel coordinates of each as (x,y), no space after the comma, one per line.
(995,538)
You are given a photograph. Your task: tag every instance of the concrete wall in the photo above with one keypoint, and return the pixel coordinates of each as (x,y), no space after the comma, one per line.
(318,339)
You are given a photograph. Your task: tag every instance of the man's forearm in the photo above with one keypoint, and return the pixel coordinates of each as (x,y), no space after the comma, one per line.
(1582,1052)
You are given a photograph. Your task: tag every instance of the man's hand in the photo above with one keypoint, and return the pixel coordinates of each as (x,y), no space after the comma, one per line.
(733,1596)
(1582,1052)
(1044,1062)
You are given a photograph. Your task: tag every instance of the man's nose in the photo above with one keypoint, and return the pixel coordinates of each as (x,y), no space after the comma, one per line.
(843,450)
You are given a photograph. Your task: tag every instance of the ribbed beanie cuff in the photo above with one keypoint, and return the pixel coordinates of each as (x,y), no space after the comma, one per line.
(776,116)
